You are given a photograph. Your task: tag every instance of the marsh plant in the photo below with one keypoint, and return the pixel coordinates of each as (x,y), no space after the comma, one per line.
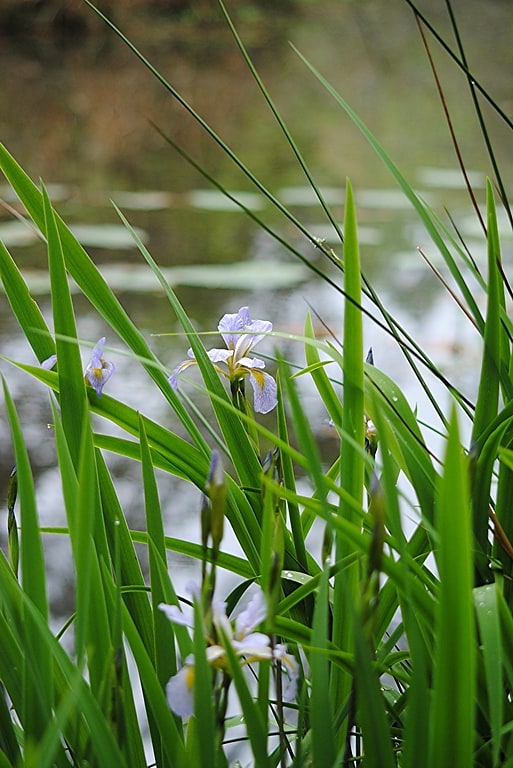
(388,645)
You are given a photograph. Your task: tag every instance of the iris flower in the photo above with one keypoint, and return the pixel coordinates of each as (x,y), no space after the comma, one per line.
(98,370)
(251,646)
(240,334)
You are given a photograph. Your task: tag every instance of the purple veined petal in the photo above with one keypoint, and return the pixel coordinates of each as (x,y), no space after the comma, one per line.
(264,391)
(220,355)
(173,379)
(231,326)
(98,370)
(254,332)
(241,333)
(98,377)
(97,354)
(180,690)
(49,362)
(253,615)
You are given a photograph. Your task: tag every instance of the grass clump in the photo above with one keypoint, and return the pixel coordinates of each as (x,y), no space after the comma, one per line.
(389,645)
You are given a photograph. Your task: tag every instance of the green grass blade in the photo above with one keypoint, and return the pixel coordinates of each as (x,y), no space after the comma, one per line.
(37,677)
(371,708)
(69,366)
(298,534)
(321,714)
(17,607)
(156,703)
(235,434)
(255,724)
(491,641)
(320,377)
(488,393)
(406,441)
(281,123)
(130,573)
(165,657)
(454,684)
(9,747)
(204,710)
(92,284)
(419,206)
(25,309)
(345,591)
(83,542)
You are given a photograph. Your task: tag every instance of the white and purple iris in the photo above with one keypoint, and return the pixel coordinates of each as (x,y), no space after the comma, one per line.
(249,645)
(240,334)
(98,370)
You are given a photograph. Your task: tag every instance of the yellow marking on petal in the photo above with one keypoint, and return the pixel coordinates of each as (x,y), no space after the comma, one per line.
(189,676)
(259,377)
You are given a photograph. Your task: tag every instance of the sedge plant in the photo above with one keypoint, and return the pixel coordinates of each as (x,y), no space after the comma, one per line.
(388,647)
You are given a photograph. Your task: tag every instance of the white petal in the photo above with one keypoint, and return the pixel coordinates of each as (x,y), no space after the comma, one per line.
(220,355)
(256,645)
(253,615)
(180,691)
(290,672)
(175,615)
(251,362)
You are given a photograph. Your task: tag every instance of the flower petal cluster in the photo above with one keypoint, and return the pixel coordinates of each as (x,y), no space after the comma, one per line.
(240,334)
(247,643)
(98,370)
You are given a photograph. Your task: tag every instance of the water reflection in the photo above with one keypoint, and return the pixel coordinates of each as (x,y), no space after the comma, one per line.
(78,117)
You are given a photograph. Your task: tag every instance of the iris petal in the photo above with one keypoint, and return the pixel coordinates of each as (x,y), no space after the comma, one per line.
(98,370)
(264,391)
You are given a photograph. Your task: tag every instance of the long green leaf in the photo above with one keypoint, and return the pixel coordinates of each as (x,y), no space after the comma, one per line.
(71,381)
(321,714)
(87,276)
(236,435)
(371,706)
(454,684)
(37,676)
(352,471)
(25,309)
(488,621)
(488,393)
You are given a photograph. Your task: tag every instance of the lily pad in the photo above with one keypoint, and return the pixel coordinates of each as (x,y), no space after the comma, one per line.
(113,236)
(139,278)
(144,200)
(213,200)
(17,233)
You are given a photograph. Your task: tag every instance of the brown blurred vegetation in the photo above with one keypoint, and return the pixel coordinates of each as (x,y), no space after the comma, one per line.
(43,17)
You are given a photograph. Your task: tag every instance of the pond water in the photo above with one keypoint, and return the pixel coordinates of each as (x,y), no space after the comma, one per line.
(79,116)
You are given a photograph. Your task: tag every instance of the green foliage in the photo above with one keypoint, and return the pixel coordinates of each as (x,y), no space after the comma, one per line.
(399,637)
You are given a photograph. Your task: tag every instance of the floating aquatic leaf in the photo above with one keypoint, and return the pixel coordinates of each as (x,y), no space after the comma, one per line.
(17,233)
(124,276)
(144,200)
(449,178)
(213,200)
(105,235)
